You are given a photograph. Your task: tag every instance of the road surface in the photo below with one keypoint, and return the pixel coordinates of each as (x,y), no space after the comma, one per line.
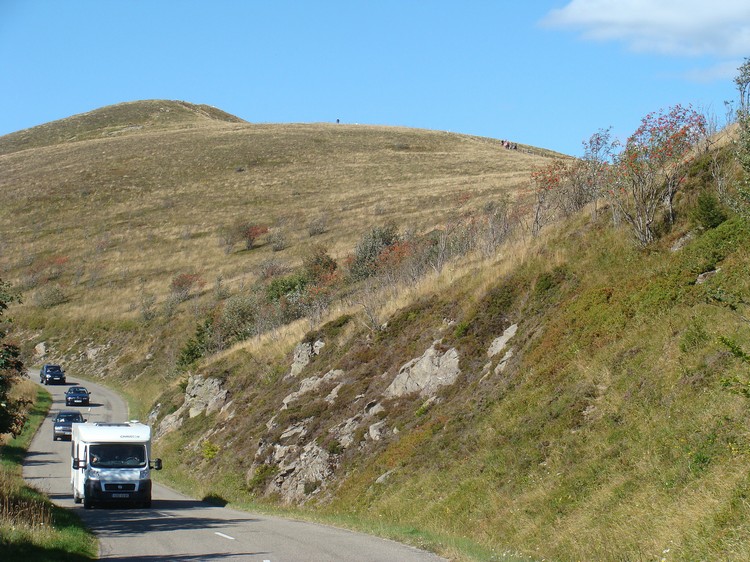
(179,528)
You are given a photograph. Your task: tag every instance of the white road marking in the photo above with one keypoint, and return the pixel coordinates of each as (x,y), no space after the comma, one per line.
(223,535)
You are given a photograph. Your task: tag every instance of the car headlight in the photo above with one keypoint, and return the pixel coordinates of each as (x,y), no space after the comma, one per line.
(59,428)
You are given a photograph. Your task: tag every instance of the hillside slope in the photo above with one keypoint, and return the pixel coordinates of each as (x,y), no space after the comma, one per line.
(567,397)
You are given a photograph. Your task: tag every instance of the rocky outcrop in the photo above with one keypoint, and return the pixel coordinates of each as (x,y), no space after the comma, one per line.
(202,395)
(303,353)
(426,374)
(499,343)
(312,384)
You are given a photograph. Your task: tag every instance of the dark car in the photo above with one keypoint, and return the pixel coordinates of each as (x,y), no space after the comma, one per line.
(63,425)
(52,373)
(77,396)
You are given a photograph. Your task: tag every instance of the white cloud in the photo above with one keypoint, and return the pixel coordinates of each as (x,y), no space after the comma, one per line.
(675,27)
(722,71)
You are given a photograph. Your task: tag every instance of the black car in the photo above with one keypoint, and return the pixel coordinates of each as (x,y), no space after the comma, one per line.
(52,373)
(77,396)
(63,425)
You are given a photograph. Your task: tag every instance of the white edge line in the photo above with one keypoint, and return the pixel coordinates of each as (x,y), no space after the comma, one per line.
(223,535)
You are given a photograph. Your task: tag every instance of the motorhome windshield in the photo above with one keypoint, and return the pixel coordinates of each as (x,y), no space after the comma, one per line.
(117,455)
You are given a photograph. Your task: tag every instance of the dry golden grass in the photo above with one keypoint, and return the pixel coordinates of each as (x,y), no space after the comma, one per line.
(149,205)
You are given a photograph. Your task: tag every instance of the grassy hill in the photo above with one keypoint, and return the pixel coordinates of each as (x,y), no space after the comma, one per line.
(615,430)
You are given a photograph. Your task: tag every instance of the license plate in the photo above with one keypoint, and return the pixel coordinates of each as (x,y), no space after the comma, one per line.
(120,495)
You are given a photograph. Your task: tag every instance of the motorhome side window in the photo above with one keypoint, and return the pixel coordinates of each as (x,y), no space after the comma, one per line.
(117,455)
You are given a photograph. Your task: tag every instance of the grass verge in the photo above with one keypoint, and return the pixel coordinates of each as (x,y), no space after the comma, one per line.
(32,528)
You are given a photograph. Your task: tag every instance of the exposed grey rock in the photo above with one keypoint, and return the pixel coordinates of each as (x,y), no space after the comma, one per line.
(426,374)
(500,343)
(303,353)
(40,349)
(503,362)
(171,422)
(201,395)
(383,477)
(377,430)
(153,415)
(312,384)
(374,408)
(331,398)
(204,394)
(344,432)
(297,430)
(703,277)
(679,244)
(298,467)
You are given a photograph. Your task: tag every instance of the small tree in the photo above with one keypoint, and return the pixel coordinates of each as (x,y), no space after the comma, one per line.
(183,284)
(250,232)
(12,412)
(650,168)
(742,81)
(546,181)
(598,153)
(740,200)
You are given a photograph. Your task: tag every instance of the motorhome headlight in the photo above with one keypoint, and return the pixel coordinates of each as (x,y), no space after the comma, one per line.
(93,474)
(143,475)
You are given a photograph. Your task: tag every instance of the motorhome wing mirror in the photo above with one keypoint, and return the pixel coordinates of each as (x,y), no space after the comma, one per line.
(157,464)
(79,463)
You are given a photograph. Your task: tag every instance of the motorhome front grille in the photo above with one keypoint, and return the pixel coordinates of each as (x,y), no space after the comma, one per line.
(118,487)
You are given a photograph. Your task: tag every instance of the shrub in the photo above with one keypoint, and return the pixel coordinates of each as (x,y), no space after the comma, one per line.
(277,239)
(365,261)
(238,318)
(209,450)
(183,283)
(271,267)
(250,232)
(240,231)
(317,226)
(318,264)
(709,212)
(285,286)
(49,296)
(195,347)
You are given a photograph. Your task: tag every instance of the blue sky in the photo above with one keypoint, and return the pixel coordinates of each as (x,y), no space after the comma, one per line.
(545,73)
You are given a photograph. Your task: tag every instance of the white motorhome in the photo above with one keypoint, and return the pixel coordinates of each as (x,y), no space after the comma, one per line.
(111,462)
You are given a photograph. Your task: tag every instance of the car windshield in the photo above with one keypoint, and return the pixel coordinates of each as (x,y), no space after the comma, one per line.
(77,390)
(72,417)
(53,368)
(117,455)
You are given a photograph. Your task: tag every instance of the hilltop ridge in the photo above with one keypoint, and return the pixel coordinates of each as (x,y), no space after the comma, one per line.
(121,119)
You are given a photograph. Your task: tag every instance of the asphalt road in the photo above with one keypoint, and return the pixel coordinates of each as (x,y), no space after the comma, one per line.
(179,528)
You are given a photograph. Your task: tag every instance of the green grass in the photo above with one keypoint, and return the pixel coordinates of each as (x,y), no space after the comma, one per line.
(32,528)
